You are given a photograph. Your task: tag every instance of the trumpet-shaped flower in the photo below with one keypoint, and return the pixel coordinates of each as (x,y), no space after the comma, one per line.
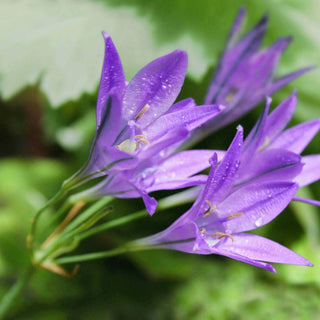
(245,75)
(218,220)
(138,129)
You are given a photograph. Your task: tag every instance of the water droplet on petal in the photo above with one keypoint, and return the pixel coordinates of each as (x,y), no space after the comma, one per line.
(258,223)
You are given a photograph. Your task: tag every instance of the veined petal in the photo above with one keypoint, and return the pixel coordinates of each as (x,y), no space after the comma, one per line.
(310,171)
(180,105)
(189,118)
(284,164)
(185,164)
(105,158)
(225,174)
(178,184)
(298,137)
(242,258)
(166,141)
(262,249)
(112,77)
(256,135)
(156,85)
(110,120)
(258,203)
(280,117)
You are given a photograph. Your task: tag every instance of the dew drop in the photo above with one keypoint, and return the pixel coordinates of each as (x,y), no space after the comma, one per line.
(258,223)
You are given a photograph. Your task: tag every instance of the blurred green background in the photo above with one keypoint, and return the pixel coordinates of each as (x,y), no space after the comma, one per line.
(50,61)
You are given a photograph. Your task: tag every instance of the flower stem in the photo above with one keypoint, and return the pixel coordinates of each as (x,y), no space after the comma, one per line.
(52,201)
(102,254)
(10,297)
(113,224)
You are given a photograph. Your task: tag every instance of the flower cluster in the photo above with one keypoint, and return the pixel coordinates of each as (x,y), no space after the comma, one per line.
(140,132)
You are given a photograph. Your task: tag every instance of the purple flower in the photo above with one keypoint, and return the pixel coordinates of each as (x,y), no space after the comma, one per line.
(270,147)
(245,75)
(138,129)
(224,211)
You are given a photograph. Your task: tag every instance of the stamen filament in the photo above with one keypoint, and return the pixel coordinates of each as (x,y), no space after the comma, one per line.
(142,111)
(221,235)
(211,209)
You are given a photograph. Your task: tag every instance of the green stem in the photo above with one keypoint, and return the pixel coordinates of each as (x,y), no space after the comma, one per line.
(11,296)
(87,214)
(113,224)
(100,255)
(165,203)
(53,200)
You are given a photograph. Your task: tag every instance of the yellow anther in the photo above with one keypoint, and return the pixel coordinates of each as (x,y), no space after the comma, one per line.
(230,95)
(142,111)
(238,214)
(210,210)
(265,144)
(141,139)
(130,146)
(203,230)
(221,235)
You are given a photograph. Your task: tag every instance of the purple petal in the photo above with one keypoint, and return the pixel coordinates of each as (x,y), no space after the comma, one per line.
(181,105)
(256,135)
(278,164)
(189,118)
(308,201)
(178,184)
(185,164)
(259,203)
(310,171)
(112,77)
(244,259)
(298,137)
(233,57)
(281,116)
(166,141)
(110,120)
(157,84)
(220,184)
(282,81)
(104,160)
(262,249)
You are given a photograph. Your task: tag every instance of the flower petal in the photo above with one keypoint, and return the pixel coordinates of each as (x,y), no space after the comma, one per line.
(280,117)
(282,164)
(298,137)
(189,118)
(112,77)
(310,171)
(234,55)
(224,176)
(258,203)
(185,164)
(262,249)
(157,85)
(244,259)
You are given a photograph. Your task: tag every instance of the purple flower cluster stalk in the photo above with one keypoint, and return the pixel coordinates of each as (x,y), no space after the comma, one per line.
(244,75)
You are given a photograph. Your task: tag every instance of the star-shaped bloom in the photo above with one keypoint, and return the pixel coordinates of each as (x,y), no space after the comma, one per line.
(139,128)
(218,220)
(270,146)
(245,75)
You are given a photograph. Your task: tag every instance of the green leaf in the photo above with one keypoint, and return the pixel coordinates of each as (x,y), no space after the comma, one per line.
(59,44)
